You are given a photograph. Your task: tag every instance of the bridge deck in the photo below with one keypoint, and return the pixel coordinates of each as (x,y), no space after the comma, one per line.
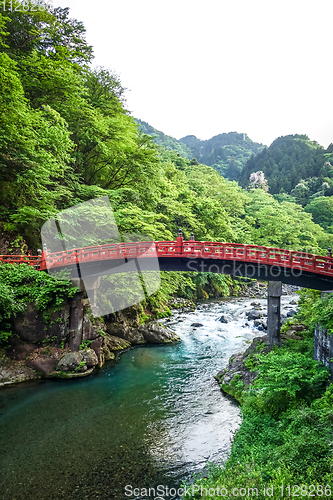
(318,266)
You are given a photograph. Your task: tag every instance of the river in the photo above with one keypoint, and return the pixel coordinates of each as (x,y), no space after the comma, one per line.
(153,417)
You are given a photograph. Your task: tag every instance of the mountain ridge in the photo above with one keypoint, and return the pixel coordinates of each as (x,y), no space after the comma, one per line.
(227,152)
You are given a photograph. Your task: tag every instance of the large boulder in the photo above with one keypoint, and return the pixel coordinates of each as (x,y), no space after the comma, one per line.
(113,343)
(44,359)
(43,365)
(224,318)
(70,361)
(156,333)
(254,314)
(128,333)
(90,357)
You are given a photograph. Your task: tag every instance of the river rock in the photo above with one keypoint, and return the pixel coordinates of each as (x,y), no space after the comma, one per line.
(128,333)
(12,372)
(113,343)
(293,302)
(184,305)
(43,365)
(197,325)
(291,313)
(292,331)
(70,361)
(90,357)
(253,314)
(224,318)
(97,345)
(156,333)
(261,324)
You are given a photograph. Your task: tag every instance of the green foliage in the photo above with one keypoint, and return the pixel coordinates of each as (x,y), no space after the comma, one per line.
(288,164)
(286,380)
(66,137)
(322,313)
(21,284)
(321,209)
(80,366)
(314,309)
(5,336)
(85,344)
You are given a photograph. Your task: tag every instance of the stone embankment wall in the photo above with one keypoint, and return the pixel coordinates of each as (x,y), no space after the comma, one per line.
(323,348)
(323,345)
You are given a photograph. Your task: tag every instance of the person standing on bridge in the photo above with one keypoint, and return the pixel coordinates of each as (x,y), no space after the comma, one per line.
(329,252)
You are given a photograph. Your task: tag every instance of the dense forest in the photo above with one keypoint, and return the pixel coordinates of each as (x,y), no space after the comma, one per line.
(66,137)
(295,169)
(296,166)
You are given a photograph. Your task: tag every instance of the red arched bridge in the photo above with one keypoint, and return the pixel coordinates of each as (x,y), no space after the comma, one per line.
(250,261)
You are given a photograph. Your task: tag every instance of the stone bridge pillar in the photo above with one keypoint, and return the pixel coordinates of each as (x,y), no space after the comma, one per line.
(90,286)
(274,292)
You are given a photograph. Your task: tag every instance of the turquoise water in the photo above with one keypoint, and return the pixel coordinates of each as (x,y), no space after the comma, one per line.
(154,416)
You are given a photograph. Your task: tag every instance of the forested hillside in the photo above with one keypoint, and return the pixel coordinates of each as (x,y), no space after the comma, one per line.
(161,139)
(67,137)
(296,166)
(226,153)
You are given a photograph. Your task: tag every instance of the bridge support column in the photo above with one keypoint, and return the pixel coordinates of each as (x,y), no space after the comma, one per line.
(76,318)
(89,285)
(274,292)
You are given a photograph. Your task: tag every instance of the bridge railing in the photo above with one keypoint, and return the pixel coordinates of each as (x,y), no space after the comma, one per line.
(32,260)
(99,253)
(188,249)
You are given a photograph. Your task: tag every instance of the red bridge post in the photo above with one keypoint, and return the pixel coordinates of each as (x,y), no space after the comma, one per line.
(179,242)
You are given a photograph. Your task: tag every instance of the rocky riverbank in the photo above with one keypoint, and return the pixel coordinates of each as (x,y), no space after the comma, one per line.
(40,348)
(258,289)
(240,373)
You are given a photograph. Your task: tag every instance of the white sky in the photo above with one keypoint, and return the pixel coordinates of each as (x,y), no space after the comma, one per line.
(261,67)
